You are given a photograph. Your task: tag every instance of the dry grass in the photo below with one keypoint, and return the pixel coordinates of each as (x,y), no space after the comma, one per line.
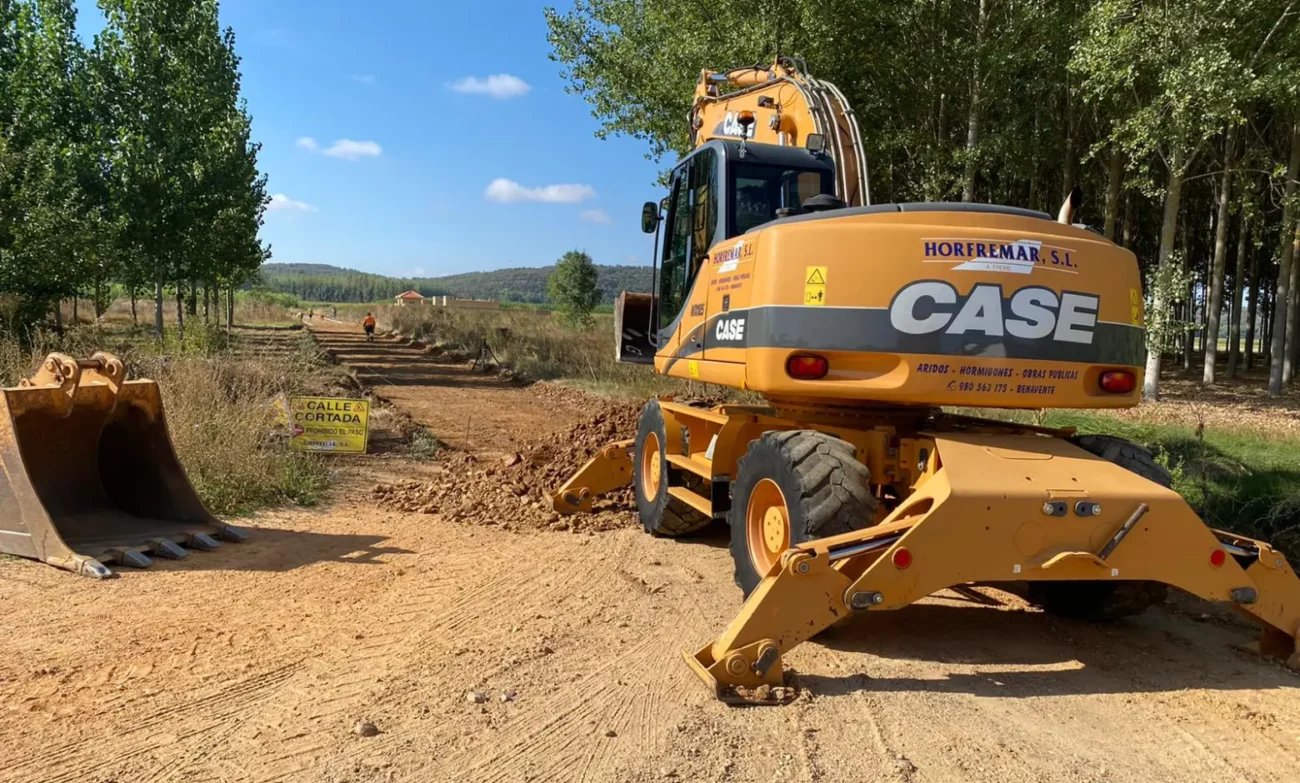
(538,346)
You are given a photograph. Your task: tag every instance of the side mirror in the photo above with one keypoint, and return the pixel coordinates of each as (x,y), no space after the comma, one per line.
(650,217)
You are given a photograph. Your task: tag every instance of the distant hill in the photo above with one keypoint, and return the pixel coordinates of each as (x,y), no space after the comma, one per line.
(326,283)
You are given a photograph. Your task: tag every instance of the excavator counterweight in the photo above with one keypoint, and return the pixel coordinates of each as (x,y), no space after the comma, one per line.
(90,473)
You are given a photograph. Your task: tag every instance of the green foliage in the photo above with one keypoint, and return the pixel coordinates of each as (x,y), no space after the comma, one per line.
(125,164)
(572,287)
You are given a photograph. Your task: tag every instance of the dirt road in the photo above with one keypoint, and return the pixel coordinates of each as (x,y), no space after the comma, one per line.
(256,662)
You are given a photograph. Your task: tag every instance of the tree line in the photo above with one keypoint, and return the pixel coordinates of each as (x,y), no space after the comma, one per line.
(1181,117)
(527,285)
(126,165)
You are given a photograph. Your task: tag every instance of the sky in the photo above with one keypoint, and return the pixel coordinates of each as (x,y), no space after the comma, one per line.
(418,138)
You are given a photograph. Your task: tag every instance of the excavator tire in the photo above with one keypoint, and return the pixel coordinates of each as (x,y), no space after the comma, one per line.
(660,514)
(1107,600)
(792,487)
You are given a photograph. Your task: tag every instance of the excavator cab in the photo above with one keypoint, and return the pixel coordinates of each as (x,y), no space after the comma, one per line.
(723,189)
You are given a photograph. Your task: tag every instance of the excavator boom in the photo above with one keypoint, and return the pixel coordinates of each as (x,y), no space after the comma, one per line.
(788,108)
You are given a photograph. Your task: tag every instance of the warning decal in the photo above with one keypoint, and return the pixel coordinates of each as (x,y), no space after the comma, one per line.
(814,286)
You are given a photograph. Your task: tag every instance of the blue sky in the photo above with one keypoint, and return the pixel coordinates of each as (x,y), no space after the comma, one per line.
(428,138)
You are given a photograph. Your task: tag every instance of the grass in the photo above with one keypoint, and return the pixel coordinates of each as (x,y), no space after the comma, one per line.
(218,397)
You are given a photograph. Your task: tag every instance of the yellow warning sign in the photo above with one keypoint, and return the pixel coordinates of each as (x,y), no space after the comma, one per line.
(1135,305)
(814,285)
(693,367)
(329,424)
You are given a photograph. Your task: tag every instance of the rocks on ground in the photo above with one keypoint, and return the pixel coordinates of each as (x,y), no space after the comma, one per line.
(513,492)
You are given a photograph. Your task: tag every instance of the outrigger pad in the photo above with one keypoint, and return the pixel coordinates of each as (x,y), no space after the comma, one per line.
(90,473)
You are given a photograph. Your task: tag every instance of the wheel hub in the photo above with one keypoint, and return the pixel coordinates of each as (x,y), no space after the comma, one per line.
(767,525)
(650,466)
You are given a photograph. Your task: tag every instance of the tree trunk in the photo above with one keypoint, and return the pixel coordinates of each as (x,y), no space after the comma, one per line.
(1238,291)
(1114,179)
(158,306)
(1070,163)
(180,311)
(193,308)
(1293,317)
(135,318)
(230,308)
(75,315)
(1252,311)
(973,117)
(58,317)
(1189,298)
(1126,234)
(1214,309)
(207,297)
(1159,312)
(1278,346)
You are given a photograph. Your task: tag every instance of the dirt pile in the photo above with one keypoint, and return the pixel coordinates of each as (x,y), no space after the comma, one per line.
(512,493)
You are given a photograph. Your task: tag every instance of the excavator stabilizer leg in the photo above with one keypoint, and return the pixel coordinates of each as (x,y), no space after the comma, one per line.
(90,474)
(1003,508)
(609,470)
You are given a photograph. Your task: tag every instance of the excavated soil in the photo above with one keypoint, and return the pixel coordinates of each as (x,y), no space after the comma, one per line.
(357,643)
(511,492)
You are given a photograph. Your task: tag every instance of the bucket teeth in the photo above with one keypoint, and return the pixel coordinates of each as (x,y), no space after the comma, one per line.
(203,542)
(168,549)
(89,566)
(132,558)
(231,533)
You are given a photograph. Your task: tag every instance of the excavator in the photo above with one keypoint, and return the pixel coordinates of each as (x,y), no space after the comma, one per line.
(853,487)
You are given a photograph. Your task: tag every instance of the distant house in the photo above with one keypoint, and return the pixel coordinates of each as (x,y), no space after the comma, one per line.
(410,298)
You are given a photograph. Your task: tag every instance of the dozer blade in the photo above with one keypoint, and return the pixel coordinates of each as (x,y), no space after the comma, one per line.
(90,475)
(1003,508)
(610,469)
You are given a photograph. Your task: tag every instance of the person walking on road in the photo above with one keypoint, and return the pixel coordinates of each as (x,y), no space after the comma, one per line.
(369,325)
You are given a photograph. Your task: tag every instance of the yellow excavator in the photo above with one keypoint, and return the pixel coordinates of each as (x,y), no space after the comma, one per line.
(850,489)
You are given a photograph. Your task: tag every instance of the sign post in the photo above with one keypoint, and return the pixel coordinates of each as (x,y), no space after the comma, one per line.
(329,424)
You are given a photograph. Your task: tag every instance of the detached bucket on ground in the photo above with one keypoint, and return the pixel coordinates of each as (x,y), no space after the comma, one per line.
(90,474)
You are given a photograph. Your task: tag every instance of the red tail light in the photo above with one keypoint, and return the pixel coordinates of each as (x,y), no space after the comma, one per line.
(807,366)
(1218,557)
(1117,381)
(902,558)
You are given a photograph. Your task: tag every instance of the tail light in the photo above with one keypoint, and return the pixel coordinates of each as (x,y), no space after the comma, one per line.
(807,366)
(902,558)
(1218,557)
(1117,381)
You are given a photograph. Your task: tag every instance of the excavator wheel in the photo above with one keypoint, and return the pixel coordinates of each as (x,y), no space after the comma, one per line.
(660,514)
(1107,600)
(792,487)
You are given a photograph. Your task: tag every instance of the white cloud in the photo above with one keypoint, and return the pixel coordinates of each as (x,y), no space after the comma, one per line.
(364,78)
(507,191)
(418,271)
(282,203)
(347,149)
(500,86)
(595,216)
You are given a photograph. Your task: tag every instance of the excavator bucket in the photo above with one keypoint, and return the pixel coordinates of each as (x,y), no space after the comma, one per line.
(90,475)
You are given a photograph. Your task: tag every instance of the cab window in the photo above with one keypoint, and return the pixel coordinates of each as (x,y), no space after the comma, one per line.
(760,190)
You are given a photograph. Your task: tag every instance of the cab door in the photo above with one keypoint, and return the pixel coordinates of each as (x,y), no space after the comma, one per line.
(691,224)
